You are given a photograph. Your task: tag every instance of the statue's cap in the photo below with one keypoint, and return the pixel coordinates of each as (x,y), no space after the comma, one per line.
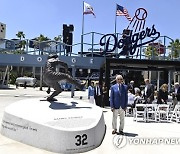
(52,56)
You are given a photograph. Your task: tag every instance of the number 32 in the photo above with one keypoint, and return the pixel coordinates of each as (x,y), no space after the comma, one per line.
(81,140)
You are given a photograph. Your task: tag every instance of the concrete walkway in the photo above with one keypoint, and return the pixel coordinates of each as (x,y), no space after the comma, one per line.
(141,138)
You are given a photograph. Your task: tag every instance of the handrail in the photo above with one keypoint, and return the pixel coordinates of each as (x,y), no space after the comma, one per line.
(52,46)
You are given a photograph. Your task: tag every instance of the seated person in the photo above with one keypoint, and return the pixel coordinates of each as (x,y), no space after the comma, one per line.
(175,93)
(138,99)
(130,99)
(162,94)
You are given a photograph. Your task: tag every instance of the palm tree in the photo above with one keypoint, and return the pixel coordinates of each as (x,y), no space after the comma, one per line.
(20,35)
(22,43)
(175,49)
(151,51)
(39,44)
(42,38)
(58,38)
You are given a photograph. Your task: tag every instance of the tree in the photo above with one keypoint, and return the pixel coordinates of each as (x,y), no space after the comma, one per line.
(175,49)
(40,42)
(42,38)
(20,49)
(151,51)
(22,42)
(20,35)
(58,38)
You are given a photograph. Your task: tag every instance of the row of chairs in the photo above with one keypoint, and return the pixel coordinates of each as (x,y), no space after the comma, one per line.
(157,112)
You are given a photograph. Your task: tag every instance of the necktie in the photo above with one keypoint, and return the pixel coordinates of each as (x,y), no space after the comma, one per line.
(97,91)
(120,89)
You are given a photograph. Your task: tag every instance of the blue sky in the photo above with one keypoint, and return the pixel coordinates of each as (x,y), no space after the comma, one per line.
(35,17)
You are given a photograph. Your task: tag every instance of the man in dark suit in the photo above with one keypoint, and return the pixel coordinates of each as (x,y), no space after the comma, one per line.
(148,92)
(118,103)
(131,86)
(175,94)
(98,94)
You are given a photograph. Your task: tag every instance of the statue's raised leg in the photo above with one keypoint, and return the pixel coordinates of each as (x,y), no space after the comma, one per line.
(70,79)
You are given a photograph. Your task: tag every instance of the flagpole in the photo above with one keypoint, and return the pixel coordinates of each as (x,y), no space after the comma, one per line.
(82,31)
(115,27)
(115,19)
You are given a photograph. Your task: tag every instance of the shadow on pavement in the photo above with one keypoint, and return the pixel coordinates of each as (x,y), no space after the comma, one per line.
(130,134)
(60,105)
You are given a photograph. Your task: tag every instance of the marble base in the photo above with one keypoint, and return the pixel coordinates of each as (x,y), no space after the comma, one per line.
(64,126)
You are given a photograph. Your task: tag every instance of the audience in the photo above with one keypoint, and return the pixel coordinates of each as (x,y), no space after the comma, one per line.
(162,94)
(148,92)
(175,93)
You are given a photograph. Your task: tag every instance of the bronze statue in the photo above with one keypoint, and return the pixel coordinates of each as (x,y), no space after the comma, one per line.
(52,78)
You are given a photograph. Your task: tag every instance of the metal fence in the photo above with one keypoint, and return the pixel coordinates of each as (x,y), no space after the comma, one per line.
(90,47)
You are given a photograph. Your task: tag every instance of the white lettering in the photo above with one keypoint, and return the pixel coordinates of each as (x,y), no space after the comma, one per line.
(130,140)
(22,58)
(177,140)
(39,59)
(154,141)
(91,61)
(167,141)
(73,60)
(136,141)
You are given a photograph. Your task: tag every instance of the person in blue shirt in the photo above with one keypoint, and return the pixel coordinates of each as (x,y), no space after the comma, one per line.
(118,103)
(91,93)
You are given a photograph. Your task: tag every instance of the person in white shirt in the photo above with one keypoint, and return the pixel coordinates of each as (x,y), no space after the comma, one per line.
(131,97)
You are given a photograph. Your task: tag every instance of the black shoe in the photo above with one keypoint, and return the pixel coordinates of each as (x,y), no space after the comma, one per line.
(48,91)
(120,133)
(51,99)
(114,132)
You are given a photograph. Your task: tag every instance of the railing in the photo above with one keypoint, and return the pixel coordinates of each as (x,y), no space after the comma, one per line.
(90,45)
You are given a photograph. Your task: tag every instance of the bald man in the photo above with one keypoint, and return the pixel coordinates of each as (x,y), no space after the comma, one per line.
(118,103)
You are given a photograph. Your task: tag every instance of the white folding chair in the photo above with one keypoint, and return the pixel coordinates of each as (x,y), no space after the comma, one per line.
(140,112)
(129,111)
(176,114)
(170,103)
(151,110)
(163,112)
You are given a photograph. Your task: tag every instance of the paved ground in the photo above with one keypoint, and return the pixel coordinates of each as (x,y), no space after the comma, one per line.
(157,135)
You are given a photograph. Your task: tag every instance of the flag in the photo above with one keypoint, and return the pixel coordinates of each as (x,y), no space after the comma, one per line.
(88,9)
(121,11)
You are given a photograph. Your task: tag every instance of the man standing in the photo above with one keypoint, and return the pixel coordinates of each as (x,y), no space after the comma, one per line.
(131,86)
(118,103)
(148,92)
(91,93)
(98,94)
(176,94)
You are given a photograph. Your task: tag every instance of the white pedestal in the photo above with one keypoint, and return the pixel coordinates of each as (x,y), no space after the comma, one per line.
(64,126)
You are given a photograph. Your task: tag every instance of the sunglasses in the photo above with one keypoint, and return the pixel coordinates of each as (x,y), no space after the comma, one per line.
(119,79)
